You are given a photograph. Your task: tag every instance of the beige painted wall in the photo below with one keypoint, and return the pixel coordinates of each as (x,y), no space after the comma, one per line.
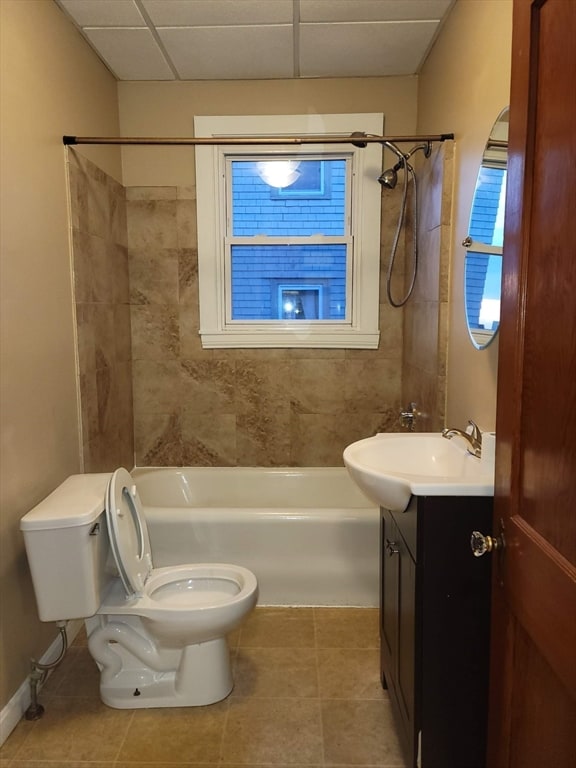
(52,84)
(168,109)
(463,86)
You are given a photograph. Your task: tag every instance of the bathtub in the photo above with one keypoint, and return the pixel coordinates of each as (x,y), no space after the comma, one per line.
(310,536)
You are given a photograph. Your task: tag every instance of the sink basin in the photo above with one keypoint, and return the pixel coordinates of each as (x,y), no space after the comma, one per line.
(391,467)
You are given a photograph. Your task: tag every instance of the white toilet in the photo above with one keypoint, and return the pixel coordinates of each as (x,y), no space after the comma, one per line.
(158,635)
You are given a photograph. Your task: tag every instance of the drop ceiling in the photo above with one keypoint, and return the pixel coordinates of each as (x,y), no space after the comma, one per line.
(258,39)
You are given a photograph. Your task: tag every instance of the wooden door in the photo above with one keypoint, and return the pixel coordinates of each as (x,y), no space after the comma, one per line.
(533,655)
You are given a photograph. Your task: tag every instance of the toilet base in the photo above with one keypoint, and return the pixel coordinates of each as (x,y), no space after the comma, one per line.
(203,677)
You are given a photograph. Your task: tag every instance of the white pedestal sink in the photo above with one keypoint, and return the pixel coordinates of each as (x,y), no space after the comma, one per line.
(391,467)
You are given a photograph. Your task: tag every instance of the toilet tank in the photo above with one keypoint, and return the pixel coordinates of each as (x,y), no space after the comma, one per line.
(67,546)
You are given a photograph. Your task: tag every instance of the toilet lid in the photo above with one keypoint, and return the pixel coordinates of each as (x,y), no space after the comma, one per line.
(128,532)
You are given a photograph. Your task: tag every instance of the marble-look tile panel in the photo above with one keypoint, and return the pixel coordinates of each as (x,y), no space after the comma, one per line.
(427,287)
(316,386)
(186,223)
(263,437)
(157,387)
(209,440)
(101,293)
(150,193)
(318,440)
(154,276)
(152,224)
(423,389)
(188,277)
(430,180)
(371,384)
(122,333)
(190,341)
(92,266)
(158,440)
(155,332)
(208,386)
(421,329)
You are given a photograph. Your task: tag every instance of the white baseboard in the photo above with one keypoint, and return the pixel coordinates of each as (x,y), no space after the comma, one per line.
(12,713)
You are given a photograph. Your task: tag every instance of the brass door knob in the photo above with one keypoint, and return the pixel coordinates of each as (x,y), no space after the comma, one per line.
(481,544)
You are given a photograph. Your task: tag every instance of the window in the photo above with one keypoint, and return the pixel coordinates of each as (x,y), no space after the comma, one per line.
(288,239)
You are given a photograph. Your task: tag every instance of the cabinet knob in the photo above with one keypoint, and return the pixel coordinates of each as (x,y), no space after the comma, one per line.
(391,547)
(481,544)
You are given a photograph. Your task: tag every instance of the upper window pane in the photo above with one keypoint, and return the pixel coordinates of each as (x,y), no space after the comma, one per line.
(288,197)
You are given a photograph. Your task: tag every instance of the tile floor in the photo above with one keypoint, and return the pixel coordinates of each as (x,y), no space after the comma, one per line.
(307,693)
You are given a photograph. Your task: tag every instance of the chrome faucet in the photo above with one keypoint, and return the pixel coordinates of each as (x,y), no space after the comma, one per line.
(408,417)
(473,438)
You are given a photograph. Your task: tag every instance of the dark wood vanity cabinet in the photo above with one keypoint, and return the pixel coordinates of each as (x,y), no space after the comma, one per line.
(435,629)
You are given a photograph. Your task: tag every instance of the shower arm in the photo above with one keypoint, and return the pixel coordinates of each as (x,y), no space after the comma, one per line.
(358,139)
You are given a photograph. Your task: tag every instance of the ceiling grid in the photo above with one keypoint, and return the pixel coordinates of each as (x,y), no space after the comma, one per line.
(258,39)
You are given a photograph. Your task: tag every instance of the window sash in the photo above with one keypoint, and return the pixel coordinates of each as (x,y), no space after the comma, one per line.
(363,331)
(265,240)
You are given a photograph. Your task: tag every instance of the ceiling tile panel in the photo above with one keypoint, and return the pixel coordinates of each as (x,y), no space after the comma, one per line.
(103,13)
(363,50)
(257,39)
(373,10)
(197,13)
(223,53)
(131,54)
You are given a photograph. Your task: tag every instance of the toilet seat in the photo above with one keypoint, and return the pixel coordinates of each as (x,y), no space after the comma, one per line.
(171,591)
(128,532)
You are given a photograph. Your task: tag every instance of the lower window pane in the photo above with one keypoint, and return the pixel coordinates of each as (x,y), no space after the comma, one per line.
(287,282)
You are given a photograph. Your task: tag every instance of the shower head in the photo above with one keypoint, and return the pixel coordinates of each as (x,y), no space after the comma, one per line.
(389,178)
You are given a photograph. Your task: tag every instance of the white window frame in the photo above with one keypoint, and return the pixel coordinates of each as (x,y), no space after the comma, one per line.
(360,330)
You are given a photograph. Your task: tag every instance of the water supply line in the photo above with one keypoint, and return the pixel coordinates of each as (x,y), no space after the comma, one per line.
(39,672)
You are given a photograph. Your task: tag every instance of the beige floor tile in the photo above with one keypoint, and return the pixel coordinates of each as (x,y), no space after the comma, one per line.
(81,639)
(140,764)
(360,733)
(279,628)
(60,764)
(277,731)
(78,675)
(76,729)
(349,673)
(186,734)
(16,739)
(276,673)
(346,627)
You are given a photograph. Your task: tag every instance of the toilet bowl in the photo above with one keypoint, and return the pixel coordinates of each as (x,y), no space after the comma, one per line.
(158,635)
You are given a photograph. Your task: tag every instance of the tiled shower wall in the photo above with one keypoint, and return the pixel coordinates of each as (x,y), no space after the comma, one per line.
(100,269)
(426,314)
(252,407)
(138,338)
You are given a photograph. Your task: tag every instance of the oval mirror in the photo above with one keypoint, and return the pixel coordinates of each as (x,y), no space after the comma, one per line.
(483,260)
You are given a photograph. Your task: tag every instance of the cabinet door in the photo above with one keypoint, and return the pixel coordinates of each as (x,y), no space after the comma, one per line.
(389,597)
(406,653)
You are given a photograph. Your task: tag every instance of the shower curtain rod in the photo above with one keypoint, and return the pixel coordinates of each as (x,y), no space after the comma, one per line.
(358,139)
